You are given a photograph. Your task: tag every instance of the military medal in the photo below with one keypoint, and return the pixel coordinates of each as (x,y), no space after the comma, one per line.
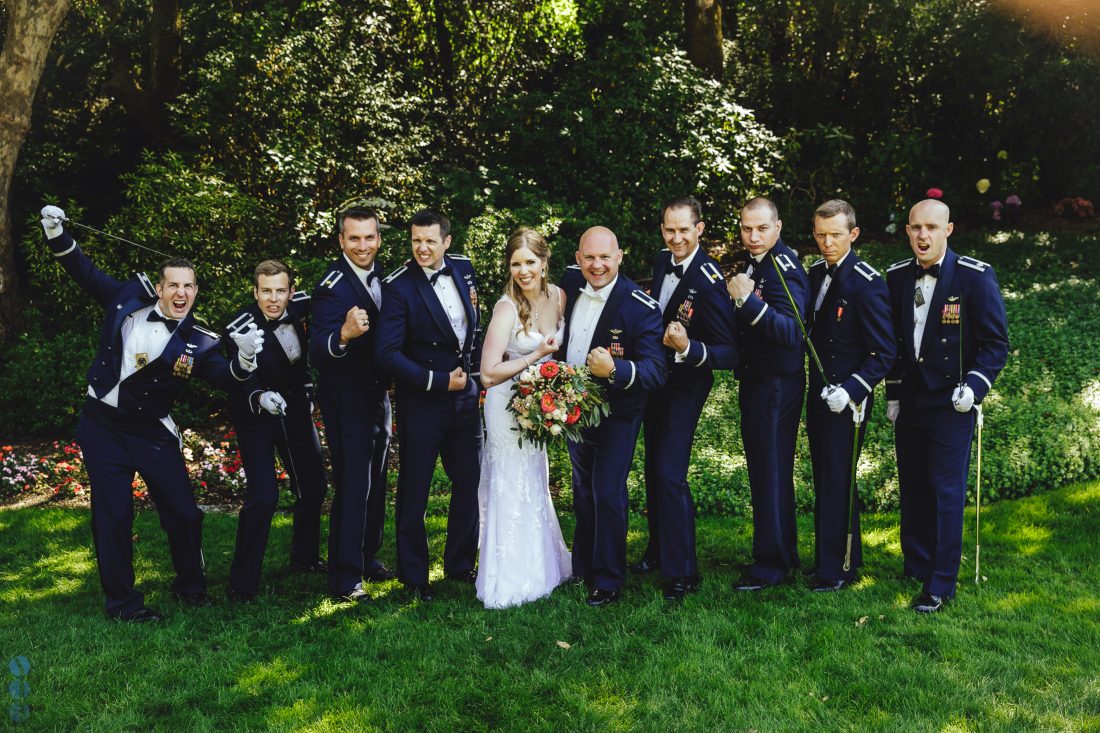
(141,359)
(839,313)
(473,296)
(684,314)
(616,348)
(182,367)
(951,314)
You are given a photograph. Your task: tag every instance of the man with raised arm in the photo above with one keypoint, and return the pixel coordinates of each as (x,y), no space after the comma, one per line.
(149,349)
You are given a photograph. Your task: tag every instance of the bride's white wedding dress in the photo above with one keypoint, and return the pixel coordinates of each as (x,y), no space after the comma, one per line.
(523,555)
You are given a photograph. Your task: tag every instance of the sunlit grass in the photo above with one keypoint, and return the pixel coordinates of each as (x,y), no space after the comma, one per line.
(1018,652)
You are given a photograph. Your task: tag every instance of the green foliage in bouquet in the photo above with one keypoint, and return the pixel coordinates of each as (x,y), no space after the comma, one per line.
(553,401)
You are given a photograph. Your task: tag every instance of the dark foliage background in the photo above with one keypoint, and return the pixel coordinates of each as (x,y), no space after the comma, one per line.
(556,114)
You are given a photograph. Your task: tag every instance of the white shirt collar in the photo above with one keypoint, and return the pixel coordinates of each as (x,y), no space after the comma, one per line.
(760,257)
(359,271)
(686,261)
(840,261)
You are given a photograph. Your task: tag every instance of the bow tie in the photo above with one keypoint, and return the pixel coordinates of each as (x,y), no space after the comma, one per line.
(372,276)
(169,323)
(831,270)
(933,270)
(438,273)
(592,293)
(269,325)
(677,270)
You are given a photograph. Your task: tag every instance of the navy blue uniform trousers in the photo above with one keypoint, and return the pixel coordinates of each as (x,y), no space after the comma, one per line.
(357,427)
(830,437)
(933,449)
(448,427)
(259,438)
(671,417)
(114,449)
(600,467)
(770,411)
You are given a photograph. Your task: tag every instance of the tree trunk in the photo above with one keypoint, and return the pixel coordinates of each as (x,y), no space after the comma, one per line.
(32,25)
(703,23)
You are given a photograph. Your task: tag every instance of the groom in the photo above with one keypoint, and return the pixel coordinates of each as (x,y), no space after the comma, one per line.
(615,329)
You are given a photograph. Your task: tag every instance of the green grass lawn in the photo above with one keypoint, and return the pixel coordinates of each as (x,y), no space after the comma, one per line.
(1021,652)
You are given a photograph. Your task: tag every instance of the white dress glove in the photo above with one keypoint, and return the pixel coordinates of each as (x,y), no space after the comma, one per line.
(962,398)
(249,342)
(52,216)
(893,407)
(836,398)
(273,402)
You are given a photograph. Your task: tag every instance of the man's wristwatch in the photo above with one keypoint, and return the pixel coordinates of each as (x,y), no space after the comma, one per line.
(611,375)
(738,302)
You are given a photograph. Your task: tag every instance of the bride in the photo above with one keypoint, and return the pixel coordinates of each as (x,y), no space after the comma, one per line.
(523,555)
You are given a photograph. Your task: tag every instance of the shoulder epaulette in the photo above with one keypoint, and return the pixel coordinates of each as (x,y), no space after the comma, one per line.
(240,323)
(866,270)
(573,267)
(147,284)
(819,262)
(330,279)
(459,257)
(973,264)
(899,265)
(206,332)
(299,296)
(713,274)
(395,274)
(641,297)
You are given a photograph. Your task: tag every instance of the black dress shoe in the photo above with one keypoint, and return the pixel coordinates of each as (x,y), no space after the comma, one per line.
(927,603)
(355,595)
(423,592)
(827,586)
(379,574)
(317,566)
(143,615)
(750,583)
(238,597)
(464,576)
(677,588)
(602,597)
(644,566)
(197,600)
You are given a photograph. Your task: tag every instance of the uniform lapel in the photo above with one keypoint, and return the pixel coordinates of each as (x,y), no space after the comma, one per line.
(463,283)
(361,294)
(600,334)
(939,296)
(681,288)
(431,301)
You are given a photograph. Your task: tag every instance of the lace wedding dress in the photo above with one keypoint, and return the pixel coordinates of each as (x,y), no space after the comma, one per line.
(523,555)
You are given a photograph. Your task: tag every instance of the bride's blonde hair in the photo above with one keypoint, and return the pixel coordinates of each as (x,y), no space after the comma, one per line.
(524,238)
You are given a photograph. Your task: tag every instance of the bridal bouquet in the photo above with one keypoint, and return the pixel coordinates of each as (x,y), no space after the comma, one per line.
(554,400)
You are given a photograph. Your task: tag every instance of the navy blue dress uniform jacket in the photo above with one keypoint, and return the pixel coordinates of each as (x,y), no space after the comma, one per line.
(260,435)
(626,327)
(699,302)
(630,328)
(352,391)
(417,345)
(116,442)
(965,337)
(854,338)
(966,305)
(773,380)
(768,335)
(852,331)
(191,351)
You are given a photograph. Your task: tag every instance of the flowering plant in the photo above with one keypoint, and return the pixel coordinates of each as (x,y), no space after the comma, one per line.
(554,400)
